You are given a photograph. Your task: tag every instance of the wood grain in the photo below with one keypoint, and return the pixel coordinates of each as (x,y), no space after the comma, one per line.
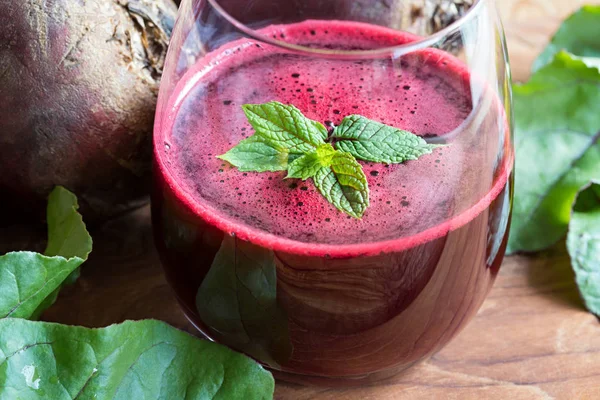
(531,339)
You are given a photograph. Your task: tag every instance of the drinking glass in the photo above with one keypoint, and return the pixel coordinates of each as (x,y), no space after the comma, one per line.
(266,265)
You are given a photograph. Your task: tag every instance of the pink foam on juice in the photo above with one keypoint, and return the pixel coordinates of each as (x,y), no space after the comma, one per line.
(426,92)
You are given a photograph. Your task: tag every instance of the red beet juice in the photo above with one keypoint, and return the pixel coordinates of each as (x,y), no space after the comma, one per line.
(267,266)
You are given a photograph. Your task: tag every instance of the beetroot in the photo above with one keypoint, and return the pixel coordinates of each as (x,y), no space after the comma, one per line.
(78,86)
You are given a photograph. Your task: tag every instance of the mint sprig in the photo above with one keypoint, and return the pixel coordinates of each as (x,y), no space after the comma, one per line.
(285,139)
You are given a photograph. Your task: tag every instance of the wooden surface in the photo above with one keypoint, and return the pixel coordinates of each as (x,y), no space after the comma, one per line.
(529,24)
(531,339)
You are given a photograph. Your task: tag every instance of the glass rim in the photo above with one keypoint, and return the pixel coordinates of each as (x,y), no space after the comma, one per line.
(423,42)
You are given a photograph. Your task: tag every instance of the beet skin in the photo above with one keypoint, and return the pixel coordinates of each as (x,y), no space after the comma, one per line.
(78,86)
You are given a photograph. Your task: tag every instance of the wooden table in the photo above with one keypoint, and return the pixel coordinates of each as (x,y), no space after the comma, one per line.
(532,339)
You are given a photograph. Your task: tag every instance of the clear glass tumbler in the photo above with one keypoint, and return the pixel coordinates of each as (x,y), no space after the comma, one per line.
(266,265)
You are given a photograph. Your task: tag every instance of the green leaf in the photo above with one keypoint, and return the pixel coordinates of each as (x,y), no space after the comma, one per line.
(344,184)
(67,235)
(238,302)
(557,147)
(133,360)
(583,243)
(257,154)
(27,279)
(589,61)
(578,35)
(30,282)
(308,165)
(285,126)
(373,141)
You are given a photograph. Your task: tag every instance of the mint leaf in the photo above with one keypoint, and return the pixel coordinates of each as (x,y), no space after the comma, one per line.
(237,300)
(578,35)
(29,282)
(344,184)
(555,154)
(373,141)
(257,154)
(308,165)
(133,360)
(286,139)
(583,243)
(285,126)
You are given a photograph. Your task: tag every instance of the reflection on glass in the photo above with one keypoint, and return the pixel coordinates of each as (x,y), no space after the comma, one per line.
(237,301)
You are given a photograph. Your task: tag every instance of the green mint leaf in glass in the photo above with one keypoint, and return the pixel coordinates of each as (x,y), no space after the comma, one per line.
(578,35)
(133,360)
(257,154)
(344,184)
(29,282)
(285,126)
(238,302)
(309,164)
(583,243)
(557,119)
(286,139)
(373,141)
